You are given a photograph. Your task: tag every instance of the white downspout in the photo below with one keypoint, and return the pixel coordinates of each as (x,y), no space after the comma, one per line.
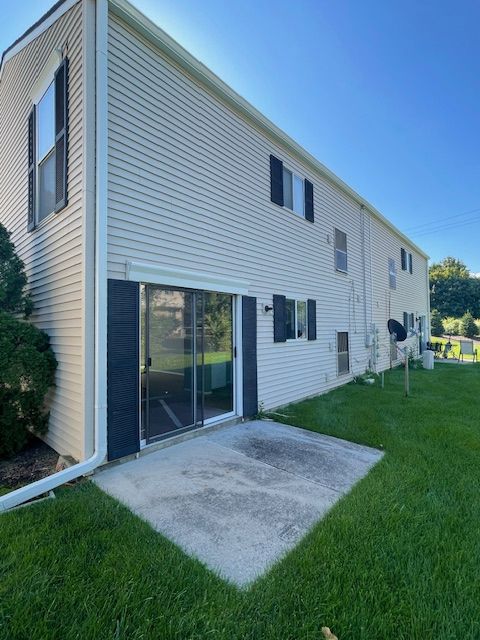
(39,487)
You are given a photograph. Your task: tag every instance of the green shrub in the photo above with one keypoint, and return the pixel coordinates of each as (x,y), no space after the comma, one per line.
(27,363)
(27,369)
(468,326)
(436,325)
(451,326)
(13,280)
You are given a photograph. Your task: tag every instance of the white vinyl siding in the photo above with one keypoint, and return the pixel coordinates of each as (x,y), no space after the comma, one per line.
(411,291)
(189,187)
(53,251)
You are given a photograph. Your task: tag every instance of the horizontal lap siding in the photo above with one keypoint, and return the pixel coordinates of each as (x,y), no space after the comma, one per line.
(411,294)
(189,187)
(53,252)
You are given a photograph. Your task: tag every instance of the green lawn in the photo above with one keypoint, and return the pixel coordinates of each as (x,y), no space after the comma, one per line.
(456,346)
(398,558)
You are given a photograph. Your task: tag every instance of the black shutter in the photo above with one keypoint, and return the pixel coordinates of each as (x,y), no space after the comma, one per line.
(403,255)
(123,368)
(279,319)
(249,355)
(276,180)
(61,124)
(405,320)
(309,201)
(31,170)
(312,319)
(412,321)
(410,263)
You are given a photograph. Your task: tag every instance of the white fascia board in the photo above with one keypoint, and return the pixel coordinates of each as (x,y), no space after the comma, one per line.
(154,34)
(168,276)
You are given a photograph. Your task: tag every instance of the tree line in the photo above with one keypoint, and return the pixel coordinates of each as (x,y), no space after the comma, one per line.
(454,294)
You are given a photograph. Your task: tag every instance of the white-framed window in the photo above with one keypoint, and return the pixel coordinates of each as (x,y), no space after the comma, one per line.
(340,251)
(392,273)
(343,357)
(293,192)
(47,141)
(408,321)
(406,260)
(296,319)
(45,153)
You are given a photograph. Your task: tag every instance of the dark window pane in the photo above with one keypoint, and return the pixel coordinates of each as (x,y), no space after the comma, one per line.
(46,184)
(287,189)
(290,319)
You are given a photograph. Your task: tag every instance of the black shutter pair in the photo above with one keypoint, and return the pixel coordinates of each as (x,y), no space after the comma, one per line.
(280,319)
(61,124)
(276,188)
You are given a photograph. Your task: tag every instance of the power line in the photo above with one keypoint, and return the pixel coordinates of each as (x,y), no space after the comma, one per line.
(446,227)
(436,222)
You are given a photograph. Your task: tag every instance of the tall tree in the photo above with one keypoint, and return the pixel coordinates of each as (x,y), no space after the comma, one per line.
(453,291)
(449,268)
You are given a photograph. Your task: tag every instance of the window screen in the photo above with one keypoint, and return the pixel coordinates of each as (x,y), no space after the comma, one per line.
(392,273)
(340,250)
(342,352)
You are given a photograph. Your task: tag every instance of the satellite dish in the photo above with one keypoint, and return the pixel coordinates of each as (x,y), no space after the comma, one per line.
(398,329)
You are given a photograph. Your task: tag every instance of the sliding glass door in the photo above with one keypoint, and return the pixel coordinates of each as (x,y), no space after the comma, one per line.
(216,323)
(187,359)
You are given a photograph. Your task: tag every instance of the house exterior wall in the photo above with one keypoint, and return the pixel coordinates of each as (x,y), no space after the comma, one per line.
(411,294)
(54,252)
(189,188)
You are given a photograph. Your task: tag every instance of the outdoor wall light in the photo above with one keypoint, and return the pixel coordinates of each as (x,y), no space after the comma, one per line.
(268,308)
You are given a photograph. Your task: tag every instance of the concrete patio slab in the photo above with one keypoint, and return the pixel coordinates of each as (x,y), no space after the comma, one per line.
(239,498)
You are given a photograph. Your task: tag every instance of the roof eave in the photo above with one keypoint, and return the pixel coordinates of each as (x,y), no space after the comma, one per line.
(153,33)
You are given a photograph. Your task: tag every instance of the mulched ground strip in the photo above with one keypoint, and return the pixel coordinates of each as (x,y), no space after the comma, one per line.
(37,460)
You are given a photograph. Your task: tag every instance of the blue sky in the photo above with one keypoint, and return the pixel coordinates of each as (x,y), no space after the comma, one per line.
(386,94)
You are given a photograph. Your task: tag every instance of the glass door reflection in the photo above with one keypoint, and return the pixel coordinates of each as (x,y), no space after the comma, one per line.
(186,364)
(169,362)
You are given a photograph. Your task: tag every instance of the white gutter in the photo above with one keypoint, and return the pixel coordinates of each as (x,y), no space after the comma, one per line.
(39,487)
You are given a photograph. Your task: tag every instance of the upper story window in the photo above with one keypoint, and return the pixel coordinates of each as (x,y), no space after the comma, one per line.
(392,273)
(47,144)
(407,260)
(293,192)
(340,251)
(46,154)
(296,319)
(290,190)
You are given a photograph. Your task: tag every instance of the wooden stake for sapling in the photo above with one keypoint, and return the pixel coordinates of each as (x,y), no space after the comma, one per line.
(407,381)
